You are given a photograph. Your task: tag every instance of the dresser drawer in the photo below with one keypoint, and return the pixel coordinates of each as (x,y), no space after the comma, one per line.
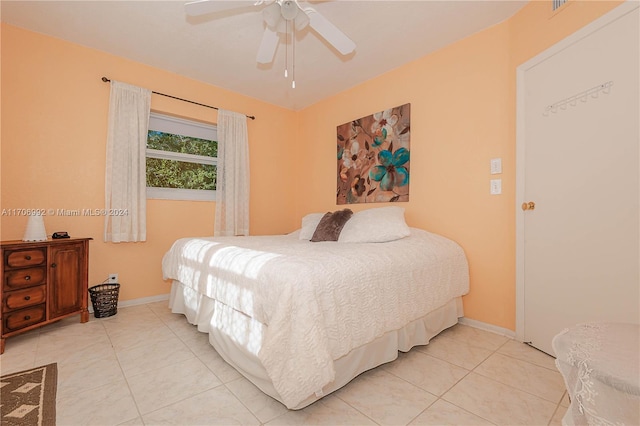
(21,278)
(27,257)
(24,318)
(24,298)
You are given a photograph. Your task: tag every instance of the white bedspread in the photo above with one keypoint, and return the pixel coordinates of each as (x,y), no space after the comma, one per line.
(320,300)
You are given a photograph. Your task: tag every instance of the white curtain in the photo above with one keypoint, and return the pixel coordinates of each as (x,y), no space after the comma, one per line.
(125,177)
(232,187)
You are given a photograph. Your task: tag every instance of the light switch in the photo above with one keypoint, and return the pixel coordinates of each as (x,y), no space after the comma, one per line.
(496,186)
(496,166)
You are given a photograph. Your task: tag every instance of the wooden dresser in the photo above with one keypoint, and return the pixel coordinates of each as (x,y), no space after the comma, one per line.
(42,282)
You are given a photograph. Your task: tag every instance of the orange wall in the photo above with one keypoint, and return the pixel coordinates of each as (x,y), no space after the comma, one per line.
(462,115)
(54,116)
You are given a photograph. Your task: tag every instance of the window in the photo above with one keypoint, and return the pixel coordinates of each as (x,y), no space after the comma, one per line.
(181,159)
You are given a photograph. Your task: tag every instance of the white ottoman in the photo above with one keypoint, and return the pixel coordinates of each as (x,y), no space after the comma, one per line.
(600,363)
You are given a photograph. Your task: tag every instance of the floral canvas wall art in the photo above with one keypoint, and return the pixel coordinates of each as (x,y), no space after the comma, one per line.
(373,157)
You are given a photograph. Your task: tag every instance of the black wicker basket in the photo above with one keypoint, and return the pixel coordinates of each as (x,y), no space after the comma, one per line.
(104,298)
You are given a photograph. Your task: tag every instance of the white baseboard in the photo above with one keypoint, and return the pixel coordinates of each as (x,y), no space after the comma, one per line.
(144,300)
(135,302)
(488,327)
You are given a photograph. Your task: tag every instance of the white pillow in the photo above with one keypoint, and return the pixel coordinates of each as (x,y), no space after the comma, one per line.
(377,225)
(309,224)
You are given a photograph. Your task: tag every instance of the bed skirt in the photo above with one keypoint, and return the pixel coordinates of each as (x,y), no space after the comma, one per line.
(237,338)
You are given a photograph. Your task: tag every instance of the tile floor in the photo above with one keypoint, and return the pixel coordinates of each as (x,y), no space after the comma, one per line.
(147,366)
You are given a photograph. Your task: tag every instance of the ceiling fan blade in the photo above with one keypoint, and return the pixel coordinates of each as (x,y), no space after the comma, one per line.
(268,46)
(330,32)
(203,7)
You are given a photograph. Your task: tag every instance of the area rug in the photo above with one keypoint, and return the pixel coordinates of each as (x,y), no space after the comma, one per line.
(29,397)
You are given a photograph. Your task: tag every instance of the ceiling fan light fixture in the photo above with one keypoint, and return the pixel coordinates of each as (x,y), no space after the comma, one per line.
(301,21)
(271,14)
(289,9)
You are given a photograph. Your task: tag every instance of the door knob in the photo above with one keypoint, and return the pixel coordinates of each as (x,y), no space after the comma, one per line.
(528,206)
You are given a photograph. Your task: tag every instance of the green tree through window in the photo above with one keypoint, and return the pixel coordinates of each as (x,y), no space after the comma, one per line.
(186,170)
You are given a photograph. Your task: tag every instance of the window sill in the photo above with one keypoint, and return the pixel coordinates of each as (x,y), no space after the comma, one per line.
(180,194)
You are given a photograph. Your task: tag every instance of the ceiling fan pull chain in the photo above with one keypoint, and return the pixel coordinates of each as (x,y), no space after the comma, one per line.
(286,49)
(293,58)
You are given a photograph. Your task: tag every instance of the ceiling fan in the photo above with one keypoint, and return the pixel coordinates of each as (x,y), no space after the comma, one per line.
(280,16)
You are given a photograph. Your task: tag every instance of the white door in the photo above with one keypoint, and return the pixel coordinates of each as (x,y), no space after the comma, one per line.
(578,151)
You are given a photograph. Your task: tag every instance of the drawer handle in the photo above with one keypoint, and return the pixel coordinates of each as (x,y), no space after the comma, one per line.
(27,257)
(53,265)
(27,317)
(27,298)
(27,278)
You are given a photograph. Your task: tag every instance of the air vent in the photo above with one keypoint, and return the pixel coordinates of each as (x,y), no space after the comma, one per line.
(558,3)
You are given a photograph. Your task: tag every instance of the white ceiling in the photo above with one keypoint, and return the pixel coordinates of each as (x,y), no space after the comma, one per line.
(221,49)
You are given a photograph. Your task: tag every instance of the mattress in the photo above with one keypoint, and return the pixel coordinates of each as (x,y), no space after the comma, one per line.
(299,306)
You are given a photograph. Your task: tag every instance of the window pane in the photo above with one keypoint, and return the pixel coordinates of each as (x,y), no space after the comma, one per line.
(179,174)
(183,144)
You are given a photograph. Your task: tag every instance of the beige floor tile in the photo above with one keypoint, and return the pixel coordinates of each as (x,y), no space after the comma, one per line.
(385,398)
(139,335)
(196,341)
(131,313)
(88,374)
(149,356)
(76,335)
(110,404)
(329,411)
(19,352)
(429,373)
(25,342)
(214,407)
(214,362)
(499,403)
(475,336)
(129,316)
(66,353)
(163,311)
(12,364)
(455,351)
(556,420)
(73,343)
(142,359)
(565,400)
(166,316)
(527,353)
(261,405)
(122,327)
(135,422)
(170,384)
(169,317)
(75,319)
(523,375)
(443,413)
(159,307)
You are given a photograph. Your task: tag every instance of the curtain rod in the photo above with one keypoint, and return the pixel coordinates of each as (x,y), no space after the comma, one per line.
(106,80)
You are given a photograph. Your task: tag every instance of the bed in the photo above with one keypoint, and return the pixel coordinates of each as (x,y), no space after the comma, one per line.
(299,318)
